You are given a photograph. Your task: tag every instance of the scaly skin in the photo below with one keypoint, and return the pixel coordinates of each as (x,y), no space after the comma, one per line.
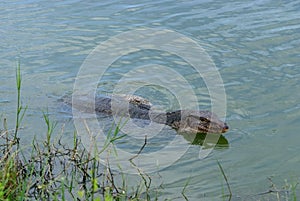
(187,121)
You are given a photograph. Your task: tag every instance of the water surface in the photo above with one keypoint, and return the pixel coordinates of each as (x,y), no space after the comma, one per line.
(254,44)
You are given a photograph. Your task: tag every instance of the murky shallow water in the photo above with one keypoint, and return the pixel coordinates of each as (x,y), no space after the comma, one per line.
(254,44)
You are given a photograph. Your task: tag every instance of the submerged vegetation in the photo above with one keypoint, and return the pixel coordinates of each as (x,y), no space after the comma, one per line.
(54,170)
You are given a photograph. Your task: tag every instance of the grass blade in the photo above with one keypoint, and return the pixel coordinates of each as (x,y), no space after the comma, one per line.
(226,180)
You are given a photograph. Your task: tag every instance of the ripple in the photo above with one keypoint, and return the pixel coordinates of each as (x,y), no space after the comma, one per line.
(254,44)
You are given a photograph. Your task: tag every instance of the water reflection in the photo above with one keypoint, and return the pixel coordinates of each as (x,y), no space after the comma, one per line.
(200,139)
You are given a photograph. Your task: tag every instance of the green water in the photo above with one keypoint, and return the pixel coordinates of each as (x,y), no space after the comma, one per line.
(255,46)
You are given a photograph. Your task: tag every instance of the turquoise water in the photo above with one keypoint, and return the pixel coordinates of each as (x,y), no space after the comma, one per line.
(255,46)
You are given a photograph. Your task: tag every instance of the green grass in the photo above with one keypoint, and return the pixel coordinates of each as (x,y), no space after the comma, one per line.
(54,170)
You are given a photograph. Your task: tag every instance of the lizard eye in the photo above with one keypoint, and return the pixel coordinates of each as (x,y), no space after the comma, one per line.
(203,119)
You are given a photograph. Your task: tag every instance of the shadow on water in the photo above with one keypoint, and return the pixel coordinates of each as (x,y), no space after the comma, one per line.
(200,139)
